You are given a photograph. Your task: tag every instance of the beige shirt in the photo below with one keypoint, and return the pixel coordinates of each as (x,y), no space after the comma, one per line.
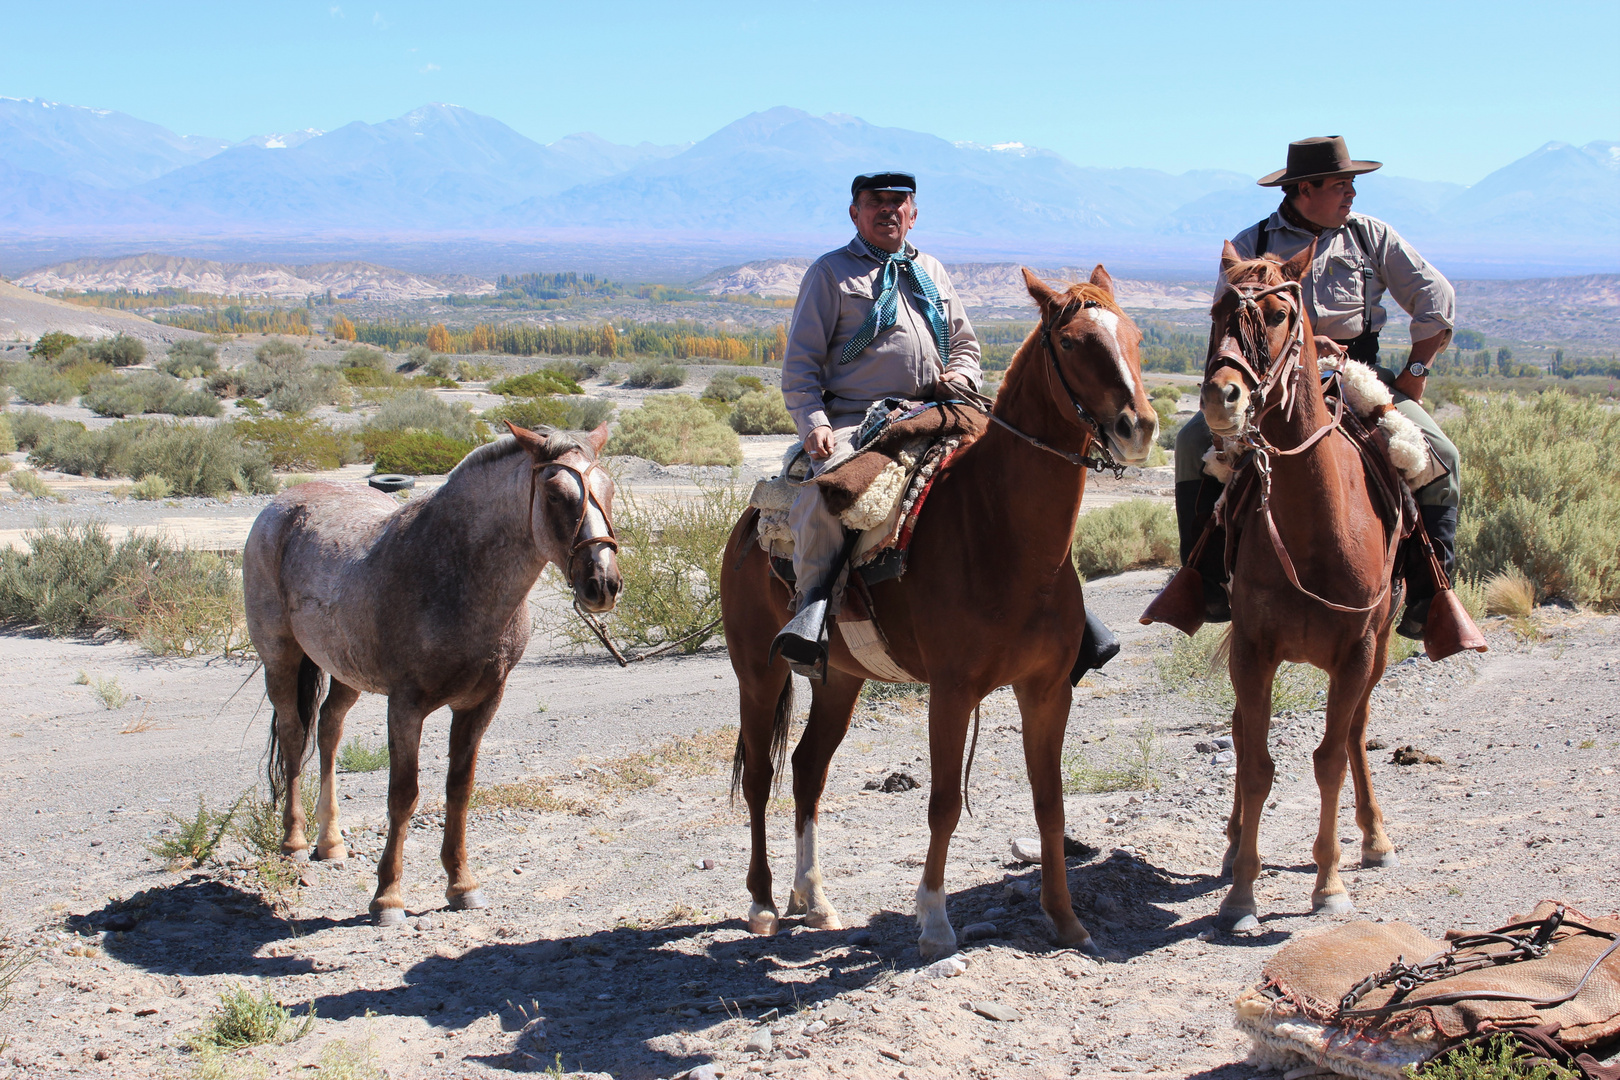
(836,295)
(1337,287)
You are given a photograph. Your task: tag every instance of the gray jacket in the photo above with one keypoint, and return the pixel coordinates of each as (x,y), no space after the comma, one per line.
(903,361)
(1337,286)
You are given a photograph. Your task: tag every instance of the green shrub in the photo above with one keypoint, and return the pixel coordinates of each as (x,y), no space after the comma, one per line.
(416,356)
(8,439)
(676,429)
(1125,536)
(28,483)
(577,370)
(439,367)
(51,345)
(414,453)
(761,412)
(1133,767)
(147,392)
(76,367)
(28,427)
(281,356)
(192,842)
(190,358)
(247,1019)
(195,460)
(1497,1059)
(121,350)
(1197,668)
(40,385)
(364,356)
(419,410)
(568,413)
(300,443)
(535,384)
(357,755)
(1541,492)
(655,375)
(152,488)
(670,556)
(251,380)
(301,391)
(728,387)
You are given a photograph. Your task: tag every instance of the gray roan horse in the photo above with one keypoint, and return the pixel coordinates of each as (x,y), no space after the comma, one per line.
(425,603)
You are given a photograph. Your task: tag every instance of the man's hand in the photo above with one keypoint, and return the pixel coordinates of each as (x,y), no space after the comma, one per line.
(819,443)
(1326,346)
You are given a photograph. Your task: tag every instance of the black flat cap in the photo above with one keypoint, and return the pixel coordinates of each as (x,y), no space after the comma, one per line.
(883,181)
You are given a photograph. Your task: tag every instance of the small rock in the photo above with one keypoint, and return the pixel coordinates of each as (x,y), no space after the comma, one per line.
(148,1011)
(704,864)
(1411,755)
(307,880)
(990,1010)
(815,1027)
(995,912)
(103,1054)
(1225,757)
(703,1072)
(116,1009)
(1377,744)
(1204,746)
(862,937)
(95,843)
(899,781)
(1026,849)
(947,968)
(759,1042)
(979,931)
(837,1013)
(1223,742)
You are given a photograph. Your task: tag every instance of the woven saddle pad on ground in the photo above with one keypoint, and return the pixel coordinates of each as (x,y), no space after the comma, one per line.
(1294,1013)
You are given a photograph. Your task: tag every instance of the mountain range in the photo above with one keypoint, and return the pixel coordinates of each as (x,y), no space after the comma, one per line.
(771,183)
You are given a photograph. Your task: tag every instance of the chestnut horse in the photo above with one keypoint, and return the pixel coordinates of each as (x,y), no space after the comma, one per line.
(1263,390)
(990,598)
(426,603)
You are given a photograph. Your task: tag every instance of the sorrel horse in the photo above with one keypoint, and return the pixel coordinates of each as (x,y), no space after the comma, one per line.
(425,603)
(1334,605)
(990,598)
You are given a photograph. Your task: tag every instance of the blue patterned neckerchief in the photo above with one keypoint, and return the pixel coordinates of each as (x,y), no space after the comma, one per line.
(885,307)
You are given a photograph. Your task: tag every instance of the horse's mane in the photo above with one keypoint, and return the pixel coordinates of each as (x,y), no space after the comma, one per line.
(556,444)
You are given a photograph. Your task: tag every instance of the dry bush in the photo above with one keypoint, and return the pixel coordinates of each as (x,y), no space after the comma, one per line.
(1132,767)
(420,410)
(27,482)
(40,385)
(8,439)
(195,460)
(1510,593)
(1126,536)
(121,350)
(676,429)
(190,358)
(1197,668)
(685,755)
(655,375)
(670,555)
(300,443)
(147,392)
(1542,493)
(761,412)
(536,384)
(281,356)
(566,413)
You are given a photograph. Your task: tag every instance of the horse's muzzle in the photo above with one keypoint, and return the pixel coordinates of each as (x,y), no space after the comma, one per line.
(597,583)
(1131,435)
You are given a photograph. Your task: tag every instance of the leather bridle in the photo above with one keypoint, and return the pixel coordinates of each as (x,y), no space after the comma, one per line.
(587,500)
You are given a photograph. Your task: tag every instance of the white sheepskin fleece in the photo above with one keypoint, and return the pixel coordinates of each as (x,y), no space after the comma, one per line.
(878,500)
(1217,466)
(1364,392)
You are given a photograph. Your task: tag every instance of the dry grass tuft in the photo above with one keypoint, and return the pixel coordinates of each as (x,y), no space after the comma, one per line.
(686,755)
(1135,767)
(536,794)
(1510,593)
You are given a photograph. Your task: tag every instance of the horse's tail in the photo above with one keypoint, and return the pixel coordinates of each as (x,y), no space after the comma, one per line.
(311,688)
(781,726)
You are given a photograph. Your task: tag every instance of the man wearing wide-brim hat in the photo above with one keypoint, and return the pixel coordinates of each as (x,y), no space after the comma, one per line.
(1358,259)
(875,319)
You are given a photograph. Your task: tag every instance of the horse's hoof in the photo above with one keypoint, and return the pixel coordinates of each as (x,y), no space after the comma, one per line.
(1334,904)
(762,921)
(340,853)
(824,920)
(936,950)
(1090,947)
(1236,921)
(471,900)
(797,904)
(1387,861)
(389,916)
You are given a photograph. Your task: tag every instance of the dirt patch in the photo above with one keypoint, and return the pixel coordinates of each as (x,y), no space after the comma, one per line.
(615,936)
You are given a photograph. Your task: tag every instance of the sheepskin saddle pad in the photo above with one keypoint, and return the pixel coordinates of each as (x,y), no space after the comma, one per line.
(1372,402)
(1370,1000)
(879,490)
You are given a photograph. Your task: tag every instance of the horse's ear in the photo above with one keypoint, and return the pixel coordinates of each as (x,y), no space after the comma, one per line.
(530,441)
(1100,278)
(1229,258)
(599,438)
(1296,268)
(1043,294)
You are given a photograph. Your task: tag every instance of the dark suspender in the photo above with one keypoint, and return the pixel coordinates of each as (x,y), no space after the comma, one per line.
(1365,346)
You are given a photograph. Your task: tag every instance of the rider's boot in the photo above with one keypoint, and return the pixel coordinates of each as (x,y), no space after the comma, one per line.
(1440,522)
(1098,645)
(1195,502)
(801,641)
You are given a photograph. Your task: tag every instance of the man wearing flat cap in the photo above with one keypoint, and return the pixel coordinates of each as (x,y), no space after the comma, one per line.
(874,319)
(1358,259)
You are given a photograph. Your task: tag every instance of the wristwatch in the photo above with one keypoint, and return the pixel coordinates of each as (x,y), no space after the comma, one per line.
(1417,369)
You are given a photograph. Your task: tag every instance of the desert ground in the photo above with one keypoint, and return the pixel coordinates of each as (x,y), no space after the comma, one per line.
(614,943)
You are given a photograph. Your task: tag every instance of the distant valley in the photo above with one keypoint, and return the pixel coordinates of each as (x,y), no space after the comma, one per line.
(450,183)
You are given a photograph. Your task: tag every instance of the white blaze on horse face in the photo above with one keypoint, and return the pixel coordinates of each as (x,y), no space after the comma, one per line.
(1108,322)
(596,527)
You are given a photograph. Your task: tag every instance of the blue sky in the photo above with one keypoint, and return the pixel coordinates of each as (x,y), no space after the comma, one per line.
(1438,91)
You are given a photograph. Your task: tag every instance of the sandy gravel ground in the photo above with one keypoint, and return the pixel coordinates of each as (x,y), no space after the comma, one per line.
(608,943)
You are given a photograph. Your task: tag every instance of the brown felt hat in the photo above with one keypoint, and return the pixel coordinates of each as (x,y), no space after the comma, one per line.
(1316,159)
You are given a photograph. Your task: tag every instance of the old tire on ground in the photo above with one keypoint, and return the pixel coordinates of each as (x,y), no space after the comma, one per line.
(392,482)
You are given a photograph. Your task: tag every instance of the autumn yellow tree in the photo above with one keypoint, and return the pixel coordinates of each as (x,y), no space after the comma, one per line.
(610,341)
(438,338)
(342,328)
